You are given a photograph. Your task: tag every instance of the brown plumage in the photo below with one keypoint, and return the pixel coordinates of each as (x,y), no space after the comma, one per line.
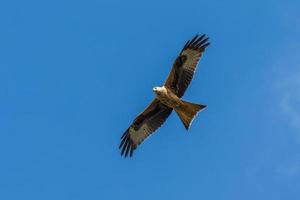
(168,98)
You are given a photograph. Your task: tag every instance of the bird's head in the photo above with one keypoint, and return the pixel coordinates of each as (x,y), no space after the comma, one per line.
(158,89)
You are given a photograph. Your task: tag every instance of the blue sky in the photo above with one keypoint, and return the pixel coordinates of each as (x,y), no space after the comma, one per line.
(74,74)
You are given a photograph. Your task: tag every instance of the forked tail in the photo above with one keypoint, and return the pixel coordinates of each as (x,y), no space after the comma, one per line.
(187,112)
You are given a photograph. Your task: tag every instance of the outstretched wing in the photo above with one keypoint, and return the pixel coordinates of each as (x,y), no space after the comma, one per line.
(144,125)
(185,65)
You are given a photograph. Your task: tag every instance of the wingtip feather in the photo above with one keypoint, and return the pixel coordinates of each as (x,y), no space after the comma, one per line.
(197,43)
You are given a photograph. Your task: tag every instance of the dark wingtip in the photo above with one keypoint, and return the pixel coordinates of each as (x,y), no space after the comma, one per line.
(127,146)
(124,146)
(131,152)
(205,46)
(197,43)
(123,140)
(124,133)
(193,40)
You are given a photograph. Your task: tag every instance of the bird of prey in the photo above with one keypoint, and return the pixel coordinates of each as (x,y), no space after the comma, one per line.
(168,98)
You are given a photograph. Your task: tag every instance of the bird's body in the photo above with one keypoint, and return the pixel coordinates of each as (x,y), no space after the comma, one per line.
(168,98)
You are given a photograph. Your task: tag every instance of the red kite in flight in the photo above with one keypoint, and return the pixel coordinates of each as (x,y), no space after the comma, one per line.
(168,98)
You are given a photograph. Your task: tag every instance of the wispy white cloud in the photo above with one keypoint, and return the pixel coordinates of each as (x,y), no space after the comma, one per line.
(288,94)
(289,100)
(286,83)
(284,74)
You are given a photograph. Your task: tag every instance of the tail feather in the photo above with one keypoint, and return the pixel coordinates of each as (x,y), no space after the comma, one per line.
(187,112)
